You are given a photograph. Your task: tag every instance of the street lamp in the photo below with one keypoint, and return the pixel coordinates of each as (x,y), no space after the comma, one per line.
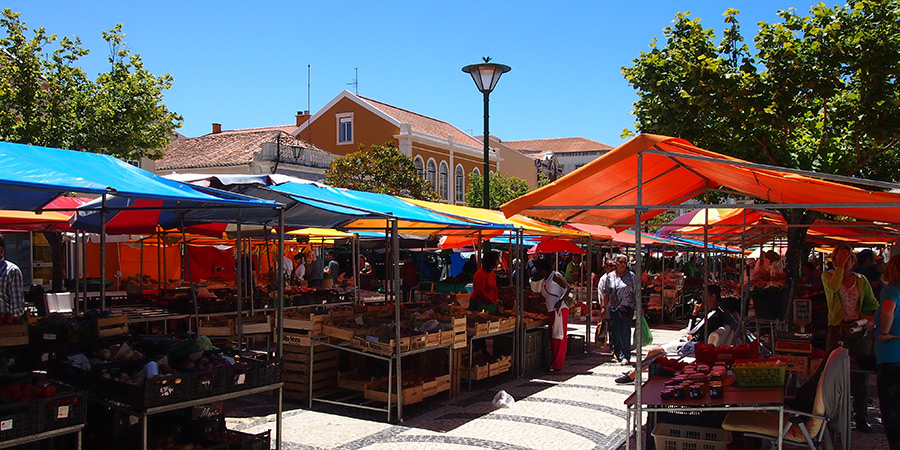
(486,76)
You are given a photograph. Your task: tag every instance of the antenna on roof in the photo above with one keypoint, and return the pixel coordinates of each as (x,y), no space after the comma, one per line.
(355,82)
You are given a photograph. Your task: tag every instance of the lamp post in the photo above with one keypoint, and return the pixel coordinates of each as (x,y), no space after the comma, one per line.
(486,76)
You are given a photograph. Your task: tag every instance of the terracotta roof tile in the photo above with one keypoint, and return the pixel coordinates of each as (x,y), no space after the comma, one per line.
(425,124)
(228,148)
(557,145)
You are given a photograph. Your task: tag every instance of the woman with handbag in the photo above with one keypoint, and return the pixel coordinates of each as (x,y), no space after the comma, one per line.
(851,315)
(555,289)
(618,292)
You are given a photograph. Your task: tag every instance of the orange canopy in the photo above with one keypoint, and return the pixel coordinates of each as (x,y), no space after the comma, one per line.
(604,191)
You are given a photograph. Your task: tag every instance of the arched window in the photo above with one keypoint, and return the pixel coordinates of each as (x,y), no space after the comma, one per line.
(420,166)
(476,171)
(431,173)
(444,182)
(460,184)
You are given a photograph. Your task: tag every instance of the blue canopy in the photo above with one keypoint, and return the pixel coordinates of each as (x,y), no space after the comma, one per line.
(33,176)
(387,206)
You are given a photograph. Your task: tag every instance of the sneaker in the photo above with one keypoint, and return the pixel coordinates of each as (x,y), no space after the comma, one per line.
(624,379)
(624,362)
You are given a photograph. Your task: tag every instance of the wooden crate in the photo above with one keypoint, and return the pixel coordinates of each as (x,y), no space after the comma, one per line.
(411,395)
(438,385)
(447,336)
(381,348)
(312,323)
(795,363)
(352,381)
(343,334)
(432,339)
(256,325)
(476,373)
(216,327)
(112,326)
(460,340)
(418,342)
(479,328)
(494,326)
(15,334)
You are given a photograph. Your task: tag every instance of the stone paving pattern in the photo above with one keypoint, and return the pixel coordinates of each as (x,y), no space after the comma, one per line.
(580,407)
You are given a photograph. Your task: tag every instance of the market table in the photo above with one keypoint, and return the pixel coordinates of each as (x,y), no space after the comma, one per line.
(734,399)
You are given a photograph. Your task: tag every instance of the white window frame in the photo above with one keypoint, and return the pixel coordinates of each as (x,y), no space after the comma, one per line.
(420,166)
(431,166)
(444,181)
(475,170)
(459,186)
(339,118)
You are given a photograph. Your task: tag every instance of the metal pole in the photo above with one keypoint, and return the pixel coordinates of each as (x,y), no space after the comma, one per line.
(638,374)
(279,347)
(743,300)
(239,282)
(705,269)
(487,161)
(590,295)
(103,254)
(395,256)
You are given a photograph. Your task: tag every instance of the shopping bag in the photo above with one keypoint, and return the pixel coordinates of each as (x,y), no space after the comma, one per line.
(558,331)
(503,400)
(601,333)
(644,329)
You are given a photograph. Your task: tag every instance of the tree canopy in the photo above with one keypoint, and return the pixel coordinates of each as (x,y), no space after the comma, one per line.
(47,99)
(502,189)
(382,169)
(816,92)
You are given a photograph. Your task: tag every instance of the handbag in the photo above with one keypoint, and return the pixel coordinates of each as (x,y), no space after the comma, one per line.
(558,331)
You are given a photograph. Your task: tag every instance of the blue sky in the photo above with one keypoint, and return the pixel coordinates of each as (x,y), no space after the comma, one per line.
(244,64)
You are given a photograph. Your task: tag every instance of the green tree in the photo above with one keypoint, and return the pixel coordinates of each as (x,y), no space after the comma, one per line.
(47,100)
(502,190)
(816,92)
(382,169)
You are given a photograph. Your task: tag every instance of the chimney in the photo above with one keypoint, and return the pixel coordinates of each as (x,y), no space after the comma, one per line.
(217,128)
(302,117)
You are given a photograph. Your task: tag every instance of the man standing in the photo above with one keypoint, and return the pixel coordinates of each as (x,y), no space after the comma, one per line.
(332,267)
(12,292)
(618,292)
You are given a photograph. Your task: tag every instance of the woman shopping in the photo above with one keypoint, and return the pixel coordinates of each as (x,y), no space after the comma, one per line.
(887,352)
(851,309)
(554,289)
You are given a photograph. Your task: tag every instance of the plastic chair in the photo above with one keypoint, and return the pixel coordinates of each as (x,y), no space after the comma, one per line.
(831,410)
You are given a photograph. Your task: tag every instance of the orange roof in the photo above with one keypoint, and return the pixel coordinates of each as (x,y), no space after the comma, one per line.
(558,145)
(425,124)
(604,191)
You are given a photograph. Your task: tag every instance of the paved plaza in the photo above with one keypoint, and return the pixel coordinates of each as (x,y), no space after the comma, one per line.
(578,408)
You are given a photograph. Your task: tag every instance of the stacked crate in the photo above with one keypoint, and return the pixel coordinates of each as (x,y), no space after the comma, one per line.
(298,369)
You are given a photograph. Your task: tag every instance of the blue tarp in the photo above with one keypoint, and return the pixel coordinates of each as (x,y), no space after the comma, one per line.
(377,204)
(33,176)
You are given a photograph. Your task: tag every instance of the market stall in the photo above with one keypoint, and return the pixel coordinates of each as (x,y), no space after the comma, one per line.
(650,174)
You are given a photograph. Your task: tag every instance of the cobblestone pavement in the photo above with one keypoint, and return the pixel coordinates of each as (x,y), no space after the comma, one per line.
(580,407)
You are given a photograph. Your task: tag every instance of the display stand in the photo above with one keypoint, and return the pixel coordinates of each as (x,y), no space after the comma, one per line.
(144,414)
(47,435)
(484,336)
(393,361)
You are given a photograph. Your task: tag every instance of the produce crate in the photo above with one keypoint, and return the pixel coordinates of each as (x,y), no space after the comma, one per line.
(411,395)
(15,334)
(66,408)
(157,391)
(460,340)
(668,436)
(112,326)
(381,348)
(18,420)
(575,345)
(216,327)
(352,381)
(476,373)
(256,325)
(417,342)
(795,363)
(447,336)
(770,373)
(436,386)
(531,363)
(432,339)
(343,334)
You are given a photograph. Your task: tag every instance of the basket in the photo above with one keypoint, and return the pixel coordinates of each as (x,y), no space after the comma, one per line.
(668,436)
(769,375)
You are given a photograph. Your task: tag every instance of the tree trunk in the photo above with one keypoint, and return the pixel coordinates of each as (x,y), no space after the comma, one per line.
(797,252)
(58,256)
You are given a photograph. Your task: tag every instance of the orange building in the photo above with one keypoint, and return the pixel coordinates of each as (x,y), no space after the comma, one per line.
(443,154)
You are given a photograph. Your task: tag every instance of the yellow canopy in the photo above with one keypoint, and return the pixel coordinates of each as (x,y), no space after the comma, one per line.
(531,226)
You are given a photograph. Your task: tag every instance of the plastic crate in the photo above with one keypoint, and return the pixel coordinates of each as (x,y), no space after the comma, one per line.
(668,436)
(66,408)
(771,374)
(17,420)
(157,391)
(575,345)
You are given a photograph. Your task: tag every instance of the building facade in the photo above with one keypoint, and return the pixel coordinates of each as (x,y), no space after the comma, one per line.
(559,156)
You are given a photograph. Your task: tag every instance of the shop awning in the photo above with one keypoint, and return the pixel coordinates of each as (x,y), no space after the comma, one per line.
(604,191)
(624,238)
(33,176)
(530,227)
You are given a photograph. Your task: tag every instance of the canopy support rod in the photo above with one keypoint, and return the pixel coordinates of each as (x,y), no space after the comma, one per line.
(279,346)
(638,374)
(395,257)
(239,282)
(705,267)
(630,190)
(742,281)
(102,254)
(751,165)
